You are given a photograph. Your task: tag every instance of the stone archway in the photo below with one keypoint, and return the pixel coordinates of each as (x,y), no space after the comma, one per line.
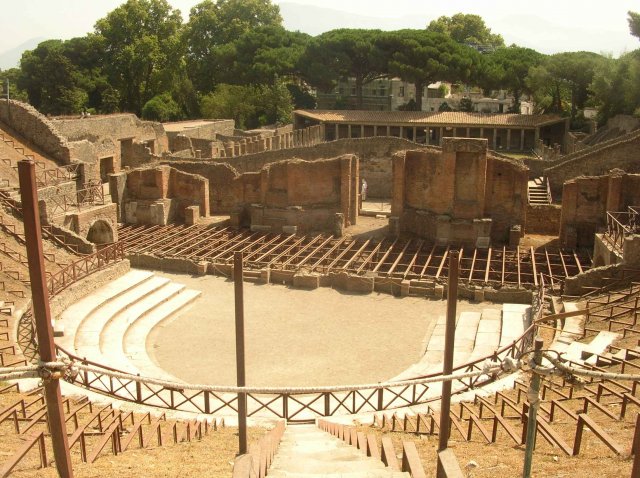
(101,232)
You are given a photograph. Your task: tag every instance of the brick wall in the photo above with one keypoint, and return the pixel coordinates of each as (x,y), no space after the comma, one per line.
(374,155)
(543,219)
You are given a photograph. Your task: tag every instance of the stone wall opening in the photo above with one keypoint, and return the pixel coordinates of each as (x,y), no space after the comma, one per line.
(100,232)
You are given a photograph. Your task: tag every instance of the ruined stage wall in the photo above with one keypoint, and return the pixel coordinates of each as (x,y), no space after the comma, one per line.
(460,195)
(586,201)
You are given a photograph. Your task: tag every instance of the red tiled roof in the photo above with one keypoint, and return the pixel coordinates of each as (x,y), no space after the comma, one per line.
(444,118)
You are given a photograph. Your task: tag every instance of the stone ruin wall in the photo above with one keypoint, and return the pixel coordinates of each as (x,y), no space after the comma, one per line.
(622,153)
(32,125)
(158,195)
(460,195)
(586,201)
(374,155)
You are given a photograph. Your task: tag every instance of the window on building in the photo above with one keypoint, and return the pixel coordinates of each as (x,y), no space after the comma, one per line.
(383,91)
(401,92)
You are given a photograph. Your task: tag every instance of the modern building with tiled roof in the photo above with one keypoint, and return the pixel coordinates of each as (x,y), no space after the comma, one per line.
(513,132)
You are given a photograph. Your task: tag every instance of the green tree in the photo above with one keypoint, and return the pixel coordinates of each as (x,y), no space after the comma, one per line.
(141,50)
(566,78)
(466,105)
(507,68)
(250,106)
(634,23)
(616,86)
(51,80)
(12,75)
(343,54)
(468,29)
(211,30)
(422,57)
(266,53)
(162,108)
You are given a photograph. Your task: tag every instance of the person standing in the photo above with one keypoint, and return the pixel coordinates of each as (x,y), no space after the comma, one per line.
(363,189)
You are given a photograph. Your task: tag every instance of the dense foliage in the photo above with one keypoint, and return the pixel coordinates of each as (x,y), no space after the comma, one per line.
(234,59)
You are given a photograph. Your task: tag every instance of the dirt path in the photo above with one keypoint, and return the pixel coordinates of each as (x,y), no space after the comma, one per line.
(294,337)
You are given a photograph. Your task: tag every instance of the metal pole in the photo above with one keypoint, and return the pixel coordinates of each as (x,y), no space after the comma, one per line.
(533,398)
(42,314)
(242,397)
(447,369)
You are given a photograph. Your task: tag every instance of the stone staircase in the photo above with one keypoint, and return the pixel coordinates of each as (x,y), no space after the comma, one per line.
(111,325)
(478,335)
(306,451)
(538,192)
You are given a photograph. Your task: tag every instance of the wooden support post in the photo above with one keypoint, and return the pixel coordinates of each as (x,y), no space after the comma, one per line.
(635,449)
(534,388)
(42,314)
(242,397)
(450,332)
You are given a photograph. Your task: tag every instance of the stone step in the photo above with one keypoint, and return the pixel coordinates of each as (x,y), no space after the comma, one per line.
(87,336)
(112,335)
(135,337)
(306,451)
(75,314)
(516,318)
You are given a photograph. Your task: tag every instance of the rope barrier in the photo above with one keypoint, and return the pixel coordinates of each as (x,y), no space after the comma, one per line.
(71,368)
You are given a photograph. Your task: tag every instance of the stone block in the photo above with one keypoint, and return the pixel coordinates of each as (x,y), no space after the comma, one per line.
(265,276)
(515,233)
(631,250)
(201,268)
(191,215)
(478,294)
(305,281)
(260,228)
(404,288)
(438,292)
(483,242)
(290,229)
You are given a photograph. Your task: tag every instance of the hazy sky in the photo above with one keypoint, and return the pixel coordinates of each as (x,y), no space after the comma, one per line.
(547,25)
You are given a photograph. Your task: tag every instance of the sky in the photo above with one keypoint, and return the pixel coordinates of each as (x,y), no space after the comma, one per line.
(546,25)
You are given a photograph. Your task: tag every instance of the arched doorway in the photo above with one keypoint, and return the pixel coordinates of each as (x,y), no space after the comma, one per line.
(100,232)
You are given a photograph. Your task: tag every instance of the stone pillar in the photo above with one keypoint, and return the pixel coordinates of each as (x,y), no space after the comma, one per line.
(349,131)
(415,134)
(537,136)
(401,131)
(427,130)
(614,193)
(337,131)
(509,139)
(441,136)
(388,130)
(468,133)
(398,168)
(495,138)
(522,139)
(117,189)
(362,131)
(375,130)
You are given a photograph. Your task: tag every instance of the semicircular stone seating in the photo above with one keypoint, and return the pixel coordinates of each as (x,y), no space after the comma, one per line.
(111,325)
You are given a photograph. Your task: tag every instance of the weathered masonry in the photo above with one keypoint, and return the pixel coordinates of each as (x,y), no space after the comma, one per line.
(460,195)
(511,132)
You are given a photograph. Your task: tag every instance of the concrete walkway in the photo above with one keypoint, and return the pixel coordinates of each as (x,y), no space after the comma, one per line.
(307,451)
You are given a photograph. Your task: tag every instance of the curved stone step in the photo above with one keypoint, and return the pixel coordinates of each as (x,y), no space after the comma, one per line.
(87,336)
(135,337)
(111,346)
(516,318)
(73,315)
(488,334)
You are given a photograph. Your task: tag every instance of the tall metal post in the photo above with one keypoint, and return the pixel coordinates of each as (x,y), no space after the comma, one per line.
(242,397)
(42,314)
(534,390)
(447,369)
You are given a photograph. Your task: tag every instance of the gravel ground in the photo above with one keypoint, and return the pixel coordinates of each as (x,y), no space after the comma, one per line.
(294,337)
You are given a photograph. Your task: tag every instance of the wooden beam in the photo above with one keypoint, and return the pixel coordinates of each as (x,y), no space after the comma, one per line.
(395,263)
(426,264)
(473,264)
(413,260)
(384,257)
(533,264)
(486,272)
(444,259)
